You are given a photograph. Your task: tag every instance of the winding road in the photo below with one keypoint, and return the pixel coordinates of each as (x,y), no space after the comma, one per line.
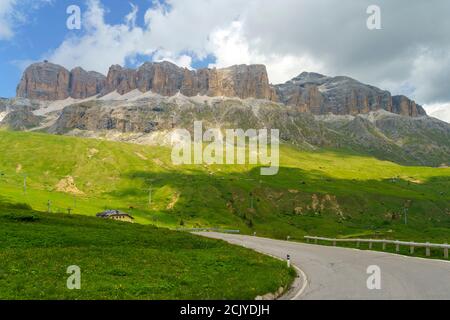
(329,273)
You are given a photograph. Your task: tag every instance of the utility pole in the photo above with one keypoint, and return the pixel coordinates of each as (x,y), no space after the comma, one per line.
(405,213)
(25,184)
(150,196)
(405,210)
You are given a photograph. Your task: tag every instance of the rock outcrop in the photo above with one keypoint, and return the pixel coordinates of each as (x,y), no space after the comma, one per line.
(167,79)
(47,81)
(120,79)
(404,106)
(240,81)
(309,92)
(44,81)
(85,84)
(388,136)
(20,120)
(319,94)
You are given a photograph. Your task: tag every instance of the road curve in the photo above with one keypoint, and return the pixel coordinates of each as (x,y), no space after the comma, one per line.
(341,273)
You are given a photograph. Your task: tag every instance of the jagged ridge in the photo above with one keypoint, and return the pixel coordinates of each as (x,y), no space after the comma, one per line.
(309,92)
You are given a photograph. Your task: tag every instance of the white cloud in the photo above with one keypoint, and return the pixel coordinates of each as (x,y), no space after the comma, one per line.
(408,56)
(103,45)
(6,10)
(187,26)
(172,35)
(439,110)
(167,35)
(14,13)
(230,47)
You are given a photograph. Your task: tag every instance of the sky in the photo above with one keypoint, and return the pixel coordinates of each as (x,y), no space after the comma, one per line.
(409,55)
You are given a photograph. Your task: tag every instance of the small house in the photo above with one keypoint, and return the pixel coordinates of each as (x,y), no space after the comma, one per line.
(116,215)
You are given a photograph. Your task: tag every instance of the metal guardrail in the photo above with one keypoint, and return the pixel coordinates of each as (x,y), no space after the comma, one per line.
(411,245)
(208,230)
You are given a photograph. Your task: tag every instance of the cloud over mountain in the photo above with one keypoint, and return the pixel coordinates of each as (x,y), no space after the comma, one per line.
(14,13)
(409,55)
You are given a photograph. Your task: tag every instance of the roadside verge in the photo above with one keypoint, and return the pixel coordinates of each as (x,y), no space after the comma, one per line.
(296,289)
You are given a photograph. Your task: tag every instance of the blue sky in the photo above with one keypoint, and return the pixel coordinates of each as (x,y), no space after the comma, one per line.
(408,55)
(44,29)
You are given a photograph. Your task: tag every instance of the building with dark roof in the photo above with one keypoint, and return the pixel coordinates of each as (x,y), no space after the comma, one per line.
(116,215)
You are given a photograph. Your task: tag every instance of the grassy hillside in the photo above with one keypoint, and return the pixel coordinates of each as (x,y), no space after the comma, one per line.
(124,261)
(325,193)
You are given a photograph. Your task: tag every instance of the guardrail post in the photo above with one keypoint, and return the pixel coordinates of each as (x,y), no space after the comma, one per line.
(412,245)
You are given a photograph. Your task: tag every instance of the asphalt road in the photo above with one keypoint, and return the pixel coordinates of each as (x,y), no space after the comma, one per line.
(341,273)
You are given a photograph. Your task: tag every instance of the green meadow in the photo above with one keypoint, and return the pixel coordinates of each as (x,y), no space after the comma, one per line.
(124,261)
(319,193)
(328,193)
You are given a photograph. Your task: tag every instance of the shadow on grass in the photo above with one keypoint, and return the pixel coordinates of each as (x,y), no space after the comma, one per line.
(297,202)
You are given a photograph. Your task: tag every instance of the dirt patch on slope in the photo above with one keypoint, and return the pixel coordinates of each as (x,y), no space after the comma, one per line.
(320,204)
(92,152)
(141,156)
(173,202)
(67,185)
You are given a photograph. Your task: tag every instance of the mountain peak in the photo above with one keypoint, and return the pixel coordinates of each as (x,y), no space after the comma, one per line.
(318,94)
(310,75)
(308,92)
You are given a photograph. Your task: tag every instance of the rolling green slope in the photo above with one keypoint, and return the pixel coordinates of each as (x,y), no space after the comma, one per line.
(124,261)
(325,193)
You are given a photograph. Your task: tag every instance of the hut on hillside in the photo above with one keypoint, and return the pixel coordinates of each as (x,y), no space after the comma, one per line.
(116,215)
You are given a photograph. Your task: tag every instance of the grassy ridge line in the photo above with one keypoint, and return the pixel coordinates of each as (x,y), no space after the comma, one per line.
(124,261)
(324,193)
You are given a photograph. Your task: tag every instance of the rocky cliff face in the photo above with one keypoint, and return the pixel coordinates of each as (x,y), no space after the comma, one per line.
(20,120)
(44,81)
(406,140)
(167,79)
(85,84)
(309,92)
(404,106)
(47,81)
(319,94)
(240,81)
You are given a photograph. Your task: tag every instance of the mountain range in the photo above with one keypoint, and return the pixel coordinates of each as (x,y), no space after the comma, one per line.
(309,92)
(312,111)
